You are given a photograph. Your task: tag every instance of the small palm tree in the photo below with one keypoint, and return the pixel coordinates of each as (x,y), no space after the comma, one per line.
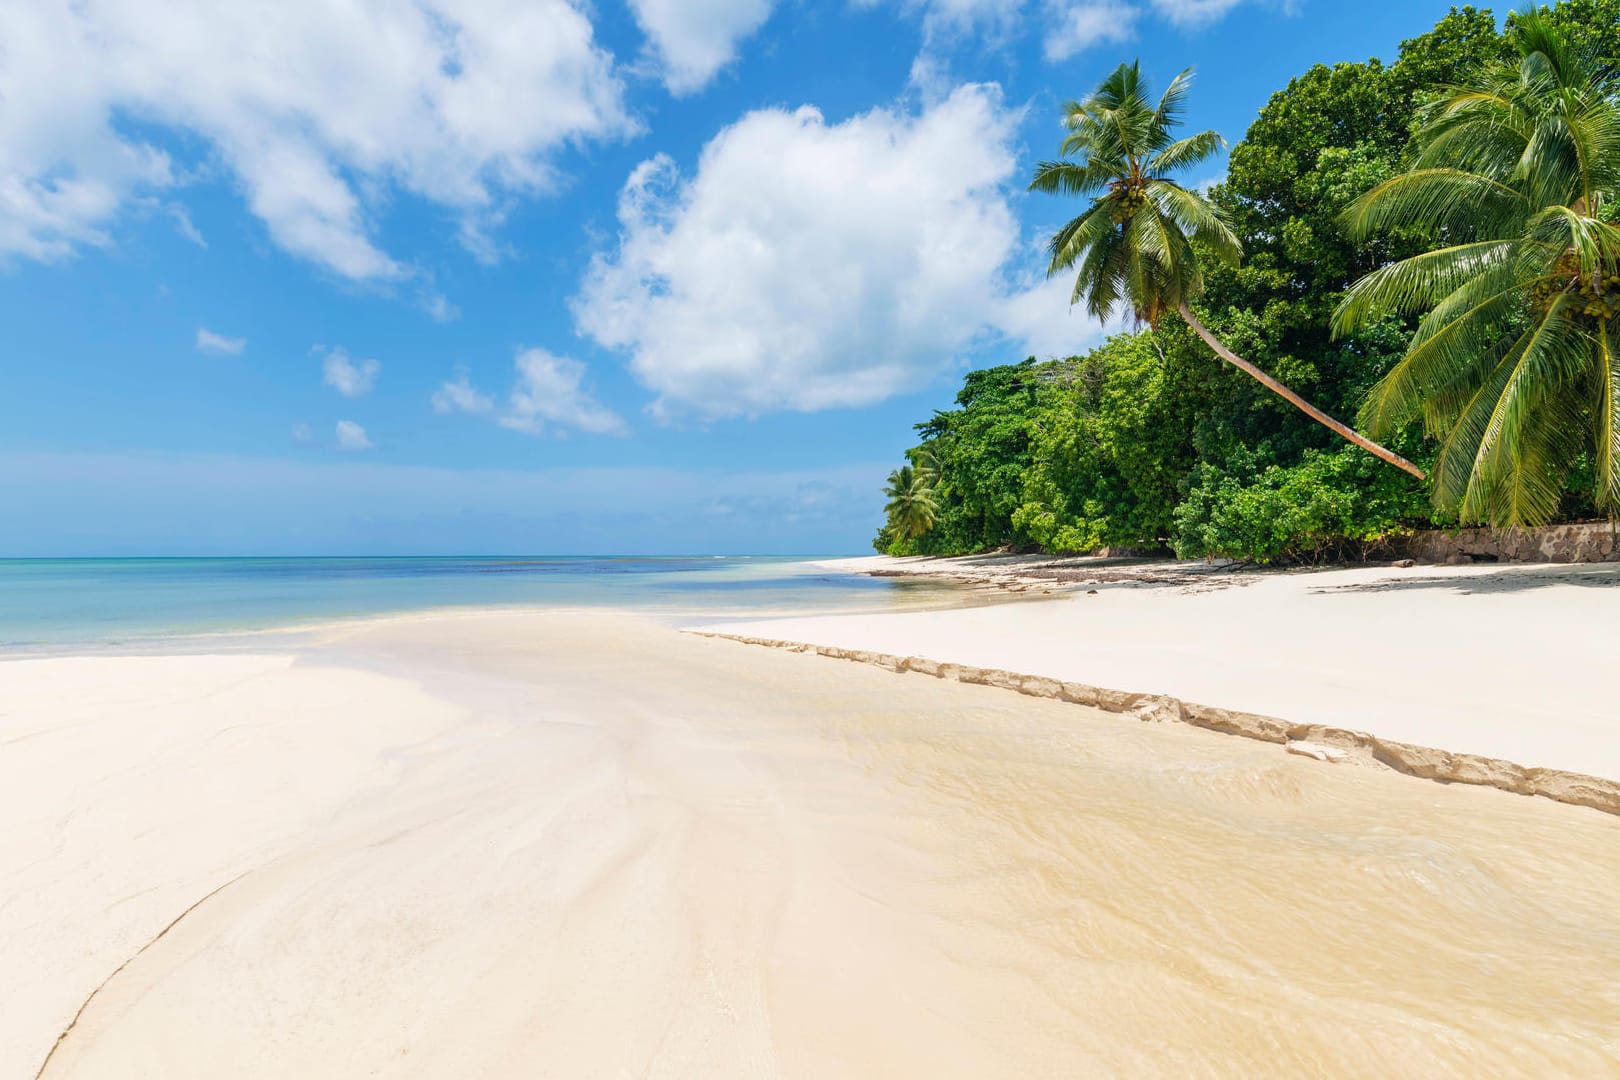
(1516,365)
(1139,245)
(926,462)
(912,508)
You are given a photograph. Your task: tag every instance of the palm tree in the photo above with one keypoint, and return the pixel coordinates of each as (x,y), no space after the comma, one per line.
(926,461)
(1516,363)
(1139,245)
(911,508)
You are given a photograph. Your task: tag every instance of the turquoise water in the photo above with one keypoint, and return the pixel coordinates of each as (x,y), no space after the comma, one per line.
(60,601)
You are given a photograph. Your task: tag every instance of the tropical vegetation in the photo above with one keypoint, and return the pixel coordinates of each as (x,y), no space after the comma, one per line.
(1515,366)
(911,508)
(1351,260)
(1141,242)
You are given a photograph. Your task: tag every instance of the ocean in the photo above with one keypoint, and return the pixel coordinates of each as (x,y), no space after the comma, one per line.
(46,602)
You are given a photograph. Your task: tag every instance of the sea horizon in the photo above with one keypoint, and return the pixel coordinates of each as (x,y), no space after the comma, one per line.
(81,601)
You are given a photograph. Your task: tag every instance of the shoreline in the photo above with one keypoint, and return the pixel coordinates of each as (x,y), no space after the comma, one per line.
(1331,745)
(1023,573)
(1292,657)
(675,608)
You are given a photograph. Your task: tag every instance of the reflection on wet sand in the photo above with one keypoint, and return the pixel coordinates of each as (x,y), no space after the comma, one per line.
(519,845)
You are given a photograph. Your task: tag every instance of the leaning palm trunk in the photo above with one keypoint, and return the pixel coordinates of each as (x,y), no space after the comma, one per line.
(1294,399)
(1139,246)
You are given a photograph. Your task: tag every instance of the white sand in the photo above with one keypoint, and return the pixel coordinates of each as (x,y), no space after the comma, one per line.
(544,846)
(1517,663)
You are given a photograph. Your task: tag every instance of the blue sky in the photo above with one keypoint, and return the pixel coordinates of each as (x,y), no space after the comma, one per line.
(636,276)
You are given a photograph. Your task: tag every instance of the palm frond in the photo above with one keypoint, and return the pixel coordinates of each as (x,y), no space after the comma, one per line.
(1417,283)
(1607,378)
(1198,218)
(1431,200)
(1173,102)
(1071,242)
(1449,342)
(1513,365)
(1185,153)
(1072,178)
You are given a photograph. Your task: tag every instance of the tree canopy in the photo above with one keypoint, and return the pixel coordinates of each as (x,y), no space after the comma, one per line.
(1144,442)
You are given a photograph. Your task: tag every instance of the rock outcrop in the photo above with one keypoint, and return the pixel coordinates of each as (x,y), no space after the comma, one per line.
(1589,543)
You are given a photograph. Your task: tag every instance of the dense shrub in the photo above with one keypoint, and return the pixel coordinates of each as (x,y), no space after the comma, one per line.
(1329,505)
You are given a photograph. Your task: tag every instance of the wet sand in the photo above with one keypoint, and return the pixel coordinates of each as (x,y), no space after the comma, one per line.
(532,845)
(1513,662)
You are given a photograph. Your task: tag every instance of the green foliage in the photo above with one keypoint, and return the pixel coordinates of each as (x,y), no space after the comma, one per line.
(1107,451)
(912,508)
(1588,26)
(1137,246)
(1515,366)
(1328,506)
(977,454)
(1143,243)
(1148,439)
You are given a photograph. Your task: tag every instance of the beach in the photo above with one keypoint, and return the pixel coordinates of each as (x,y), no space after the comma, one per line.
(587,844)
(434,444)
(1510,672)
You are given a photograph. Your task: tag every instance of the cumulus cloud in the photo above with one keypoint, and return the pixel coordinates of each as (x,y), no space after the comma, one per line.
(1078,26)
(693,39)
(550,392)
(219,344)
(319,111)
(809,265)
(1038,317)
(349,377)
(351,436)
(459,395)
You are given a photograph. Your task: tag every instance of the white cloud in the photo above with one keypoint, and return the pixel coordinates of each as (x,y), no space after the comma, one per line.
(351,436)
(550,391)
(1077,26)
(351,378)
(219,344)
(810,265)
(958,16)
(693,39)
(1067,27)
(439,308)
(302,434)
(1038,317)
(318,110)
(459,395)
(184,225)
(1193,12)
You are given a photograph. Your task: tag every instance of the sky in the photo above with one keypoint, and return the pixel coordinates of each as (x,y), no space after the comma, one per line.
(543,276)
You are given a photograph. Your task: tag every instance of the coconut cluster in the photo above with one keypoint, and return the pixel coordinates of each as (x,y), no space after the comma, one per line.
(1130,200)
(1596,296)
